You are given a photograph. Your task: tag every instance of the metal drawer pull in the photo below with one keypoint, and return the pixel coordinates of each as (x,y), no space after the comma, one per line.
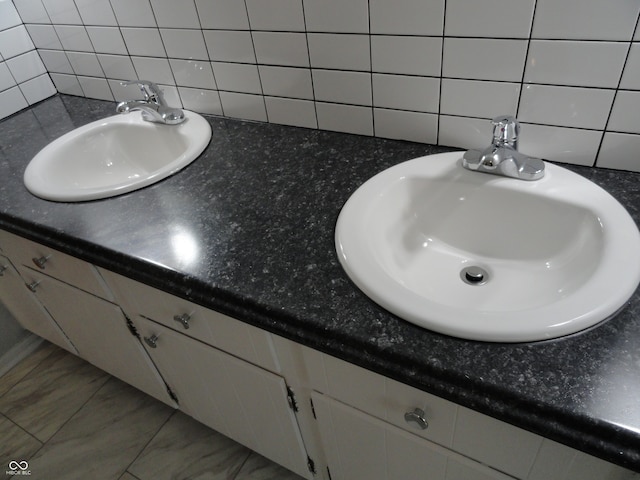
(416,419)
(152,341)
(32,286)
(39,262)
(183,319)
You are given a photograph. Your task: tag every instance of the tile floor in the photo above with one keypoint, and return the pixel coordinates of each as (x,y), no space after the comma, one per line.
(70,420)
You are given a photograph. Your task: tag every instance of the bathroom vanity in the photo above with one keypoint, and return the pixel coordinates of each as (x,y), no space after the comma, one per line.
(218,291)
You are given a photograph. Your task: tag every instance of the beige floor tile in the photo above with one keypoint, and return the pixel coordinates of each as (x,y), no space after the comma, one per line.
(259,468)
(22,369)
(104,437)
(48,396)
(186,449)
(15,444)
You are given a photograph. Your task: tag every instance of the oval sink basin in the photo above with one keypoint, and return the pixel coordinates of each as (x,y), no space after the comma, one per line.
(489,258)
(113,156)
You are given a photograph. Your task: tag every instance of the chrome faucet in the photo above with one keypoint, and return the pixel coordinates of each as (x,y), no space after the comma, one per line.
(153,107)
(502,156)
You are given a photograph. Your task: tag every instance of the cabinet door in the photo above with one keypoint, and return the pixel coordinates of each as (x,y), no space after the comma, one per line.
(98,329)
(359,446)
(234,397)
(26,309)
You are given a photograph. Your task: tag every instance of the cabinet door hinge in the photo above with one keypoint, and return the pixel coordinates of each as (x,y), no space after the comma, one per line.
(173,396)
(132,328)
(311,465)
(313,409)
(291,399)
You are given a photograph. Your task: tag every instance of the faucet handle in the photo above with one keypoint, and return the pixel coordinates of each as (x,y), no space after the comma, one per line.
(505,130)
(150,91)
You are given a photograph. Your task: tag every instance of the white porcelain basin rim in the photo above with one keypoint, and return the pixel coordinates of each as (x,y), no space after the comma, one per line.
(114,155)
(579,268)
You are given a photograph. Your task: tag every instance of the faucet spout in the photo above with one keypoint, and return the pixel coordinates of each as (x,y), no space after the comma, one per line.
(502,156)
(153,107)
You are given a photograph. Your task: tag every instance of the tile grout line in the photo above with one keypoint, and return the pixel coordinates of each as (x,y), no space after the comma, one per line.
(126,470)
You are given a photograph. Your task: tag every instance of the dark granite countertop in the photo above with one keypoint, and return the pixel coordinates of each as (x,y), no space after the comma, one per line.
(257,212)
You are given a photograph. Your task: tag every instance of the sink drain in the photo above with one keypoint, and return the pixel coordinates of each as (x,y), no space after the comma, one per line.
(474,275)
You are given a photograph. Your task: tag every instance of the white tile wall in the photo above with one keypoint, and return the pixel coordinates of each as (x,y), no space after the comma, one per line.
(23,75)
(423,70)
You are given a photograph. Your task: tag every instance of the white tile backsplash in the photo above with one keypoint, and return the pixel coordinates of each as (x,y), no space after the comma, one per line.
(489,18)
(342,87)
(281,48)
(32,11)
(237,77)
(170,13)
(412,126)
(187,44)
(6,79)
(230,46)
(620,151)
(144,42)
(587,64)
(346,16)
(406,55)
(407,17)
(631,73)
(15,41)
(12,101)
(8,15)
(133,13)
(484,59)
(473,98)
(37,89)
(74,38)
(86,64)
(402,92)
(341,51)
(43,36)
(585,19)
(345,118)
(341,64)
(625,115)
(193,73)
(223,14)
(26,66)
(62,12)
(96,12)
(276,15)
(290,111)
(107,40)
(286,82)
(565,106)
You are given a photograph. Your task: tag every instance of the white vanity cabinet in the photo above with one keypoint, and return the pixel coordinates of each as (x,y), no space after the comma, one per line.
(81,320)
(370,427)
(321,417)
(26,309)
(223,372)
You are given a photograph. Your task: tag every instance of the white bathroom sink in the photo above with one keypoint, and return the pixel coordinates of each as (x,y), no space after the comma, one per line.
(113,156)
(544,259)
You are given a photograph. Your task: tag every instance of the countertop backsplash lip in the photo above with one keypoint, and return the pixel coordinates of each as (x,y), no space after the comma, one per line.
(548,387)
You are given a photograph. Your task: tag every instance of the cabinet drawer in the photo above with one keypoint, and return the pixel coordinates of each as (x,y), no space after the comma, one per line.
(226,333)
(26,309)
(382,397)
(56,264)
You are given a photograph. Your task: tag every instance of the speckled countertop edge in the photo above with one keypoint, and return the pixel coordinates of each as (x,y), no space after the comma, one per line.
(557,389)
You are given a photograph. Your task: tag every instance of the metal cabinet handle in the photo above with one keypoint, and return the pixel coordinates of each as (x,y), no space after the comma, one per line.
(40,261)
(183,319)
(416,419)
(32,286)
(152,341)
